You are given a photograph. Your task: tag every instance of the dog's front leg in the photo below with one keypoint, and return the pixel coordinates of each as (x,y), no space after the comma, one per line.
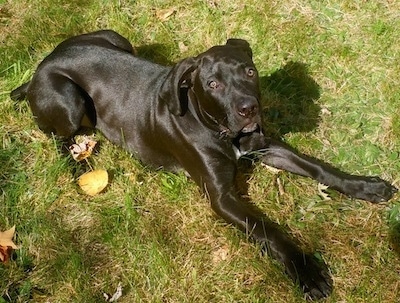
(282,156)
(218,184)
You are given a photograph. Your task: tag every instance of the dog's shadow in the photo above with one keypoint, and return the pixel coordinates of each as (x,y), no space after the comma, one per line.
(289,97)
(155,53)
(394,238)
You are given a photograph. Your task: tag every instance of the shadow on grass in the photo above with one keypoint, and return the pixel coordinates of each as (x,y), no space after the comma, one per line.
(289,96)
(393,222)
(155,53)
(394,237)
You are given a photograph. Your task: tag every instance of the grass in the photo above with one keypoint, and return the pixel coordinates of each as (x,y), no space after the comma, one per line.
(330,78)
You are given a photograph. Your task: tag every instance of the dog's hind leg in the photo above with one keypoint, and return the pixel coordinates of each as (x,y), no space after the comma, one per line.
(115,39)
(58,105)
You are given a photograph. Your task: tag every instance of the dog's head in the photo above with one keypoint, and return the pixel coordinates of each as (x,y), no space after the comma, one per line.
(220,86)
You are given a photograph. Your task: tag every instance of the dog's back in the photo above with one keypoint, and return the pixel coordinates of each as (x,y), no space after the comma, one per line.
(94,75)
(103,38)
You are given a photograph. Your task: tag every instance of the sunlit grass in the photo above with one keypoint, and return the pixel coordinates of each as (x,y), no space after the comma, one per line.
(330,79)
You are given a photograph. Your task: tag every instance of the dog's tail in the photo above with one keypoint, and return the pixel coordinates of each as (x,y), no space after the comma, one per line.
(20,92)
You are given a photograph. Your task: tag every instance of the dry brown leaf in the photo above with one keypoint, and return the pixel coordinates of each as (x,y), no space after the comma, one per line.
(6,244)
(165,14)
(82,150)
(322,192)
(182,47)
(281,188)
(6,238)
(115,296)
(94,182)
(271,169)
(220,254)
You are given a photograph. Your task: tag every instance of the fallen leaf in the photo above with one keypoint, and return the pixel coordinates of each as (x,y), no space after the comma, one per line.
(115,296)
(220,254)
(272,169)
(6,244)
(92,183)
(83,149)
(322,192)
(325,111)
(5,253)
(182,47)
(281,188)
(213,4)
(164,14)
(6,238)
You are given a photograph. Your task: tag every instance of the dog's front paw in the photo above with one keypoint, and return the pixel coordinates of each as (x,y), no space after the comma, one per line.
(312,275)
(375,190)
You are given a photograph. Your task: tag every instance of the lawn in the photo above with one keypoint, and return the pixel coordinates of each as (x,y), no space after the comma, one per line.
(330,83)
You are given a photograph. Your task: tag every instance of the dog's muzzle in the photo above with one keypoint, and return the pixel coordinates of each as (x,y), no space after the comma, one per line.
(251,127)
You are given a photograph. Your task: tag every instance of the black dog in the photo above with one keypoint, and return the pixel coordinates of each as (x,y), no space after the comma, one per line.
(200,115)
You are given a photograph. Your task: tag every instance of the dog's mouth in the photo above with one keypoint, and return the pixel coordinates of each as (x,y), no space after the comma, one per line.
(249,128)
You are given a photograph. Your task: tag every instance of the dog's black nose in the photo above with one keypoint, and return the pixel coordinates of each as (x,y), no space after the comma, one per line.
(248,108)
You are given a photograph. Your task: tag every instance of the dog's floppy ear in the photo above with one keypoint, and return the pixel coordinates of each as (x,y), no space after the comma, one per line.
(243,44)
(174,88)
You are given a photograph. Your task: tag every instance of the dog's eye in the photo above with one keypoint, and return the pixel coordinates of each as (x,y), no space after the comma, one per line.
(213,84)
(251,72)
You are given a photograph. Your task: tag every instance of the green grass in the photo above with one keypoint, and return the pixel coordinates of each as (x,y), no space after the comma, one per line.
(330,80)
